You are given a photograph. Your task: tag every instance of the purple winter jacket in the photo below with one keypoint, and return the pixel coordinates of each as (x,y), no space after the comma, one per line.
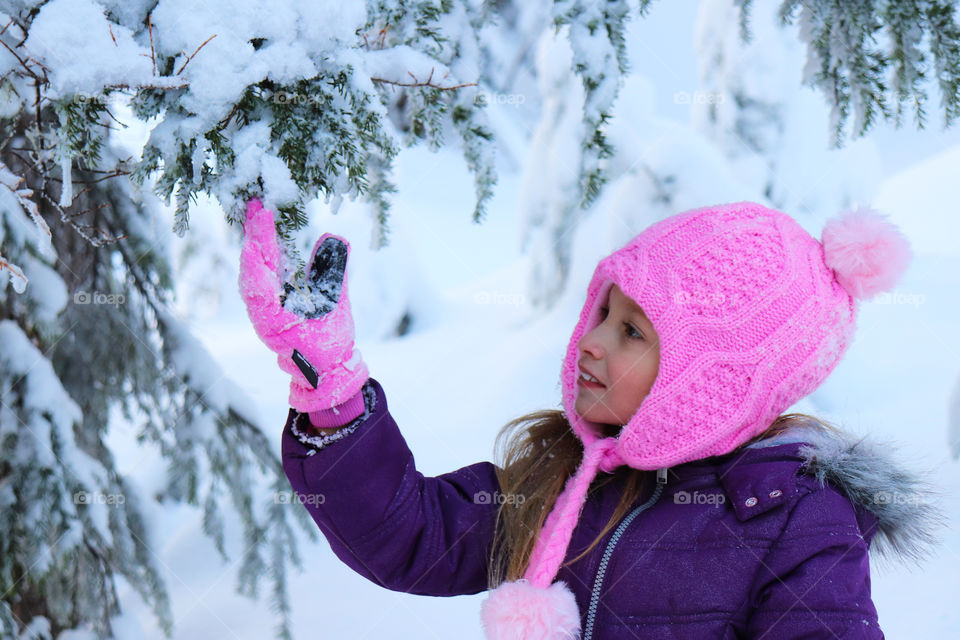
(767,541)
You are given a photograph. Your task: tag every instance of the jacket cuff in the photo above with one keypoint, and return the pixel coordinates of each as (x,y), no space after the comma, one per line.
(301,422)
(367,469)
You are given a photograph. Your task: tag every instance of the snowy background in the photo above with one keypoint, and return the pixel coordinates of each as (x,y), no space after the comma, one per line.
(477,354)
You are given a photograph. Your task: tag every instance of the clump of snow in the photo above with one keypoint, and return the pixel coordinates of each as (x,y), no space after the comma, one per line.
(228,63)
(253,159)
(83,52)
(48,292)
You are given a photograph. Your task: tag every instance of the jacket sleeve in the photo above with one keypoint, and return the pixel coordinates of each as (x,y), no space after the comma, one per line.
(382,517)
(815,580)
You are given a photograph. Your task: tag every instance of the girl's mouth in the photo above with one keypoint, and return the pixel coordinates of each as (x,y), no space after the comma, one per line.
(588,384)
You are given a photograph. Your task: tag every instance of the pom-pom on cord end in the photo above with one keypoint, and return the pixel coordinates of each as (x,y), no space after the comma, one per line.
(522,611)
(868,253)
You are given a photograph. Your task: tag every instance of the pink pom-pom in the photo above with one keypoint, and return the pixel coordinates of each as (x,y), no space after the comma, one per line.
(868,253)
(521,611)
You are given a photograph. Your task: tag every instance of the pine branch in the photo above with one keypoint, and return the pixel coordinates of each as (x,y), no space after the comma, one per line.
(190,57)
(426,83)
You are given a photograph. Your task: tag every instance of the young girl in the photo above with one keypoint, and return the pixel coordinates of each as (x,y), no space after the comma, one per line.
(670,498)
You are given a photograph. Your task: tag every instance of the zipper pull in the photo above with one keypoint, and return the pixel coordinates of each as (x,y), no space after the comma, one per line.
(661,476)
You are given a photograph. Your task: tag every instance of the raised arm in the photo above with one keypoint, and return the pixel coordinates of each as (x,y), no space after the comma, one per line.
(358,480)
(382,517)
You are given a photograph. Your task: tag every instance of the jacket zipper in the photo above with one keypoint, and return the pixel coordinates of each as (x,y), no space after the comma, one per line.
(602,569)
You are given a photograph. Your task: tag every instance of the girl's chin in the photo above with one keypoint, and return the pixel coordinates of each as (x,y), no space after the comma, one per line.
(600,417)
(607,429)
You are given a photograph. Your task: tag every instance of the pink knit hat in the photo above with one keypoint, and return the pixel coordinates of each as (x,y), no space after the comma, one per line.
(752,315)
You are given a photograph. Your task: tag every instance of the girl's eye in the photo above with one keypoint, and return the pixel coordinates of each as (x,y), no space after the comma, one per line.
(630,332)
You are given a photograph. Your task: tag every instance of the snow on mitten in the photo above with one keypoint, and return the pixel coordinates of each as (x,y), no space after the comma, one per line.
(310,326)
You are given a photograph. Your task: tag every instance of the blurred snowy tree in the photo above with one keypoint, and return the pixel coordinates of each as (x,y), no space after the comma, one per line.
(752,104)
(872,60)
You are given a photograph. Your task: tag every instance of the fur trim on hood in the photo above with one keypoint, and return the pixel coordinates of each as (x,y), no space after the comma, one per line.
(904,502)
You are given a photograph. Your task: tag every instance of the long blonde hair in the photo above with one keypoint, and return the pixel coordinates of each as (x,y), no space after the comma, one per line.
(536,454)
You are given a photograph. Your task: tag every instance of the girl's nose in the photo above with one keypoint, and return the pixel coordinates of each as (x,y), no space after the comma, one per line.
(589,343)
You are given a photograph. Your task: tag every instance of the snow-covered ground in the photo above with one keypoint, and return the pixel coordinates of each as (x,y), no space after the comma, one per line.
(478,356)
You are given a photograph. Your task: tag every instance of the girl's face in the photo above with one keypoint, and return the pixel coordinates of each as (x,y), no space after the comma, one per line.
(623,353)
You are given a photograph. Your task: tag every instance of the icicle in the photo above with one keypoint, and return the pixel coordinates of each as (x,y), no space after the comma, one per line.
(66,193)
(199,157)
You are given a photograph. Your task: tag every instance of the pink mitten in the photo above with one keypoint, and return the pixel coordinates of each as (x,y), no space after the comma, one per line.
(310,327)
